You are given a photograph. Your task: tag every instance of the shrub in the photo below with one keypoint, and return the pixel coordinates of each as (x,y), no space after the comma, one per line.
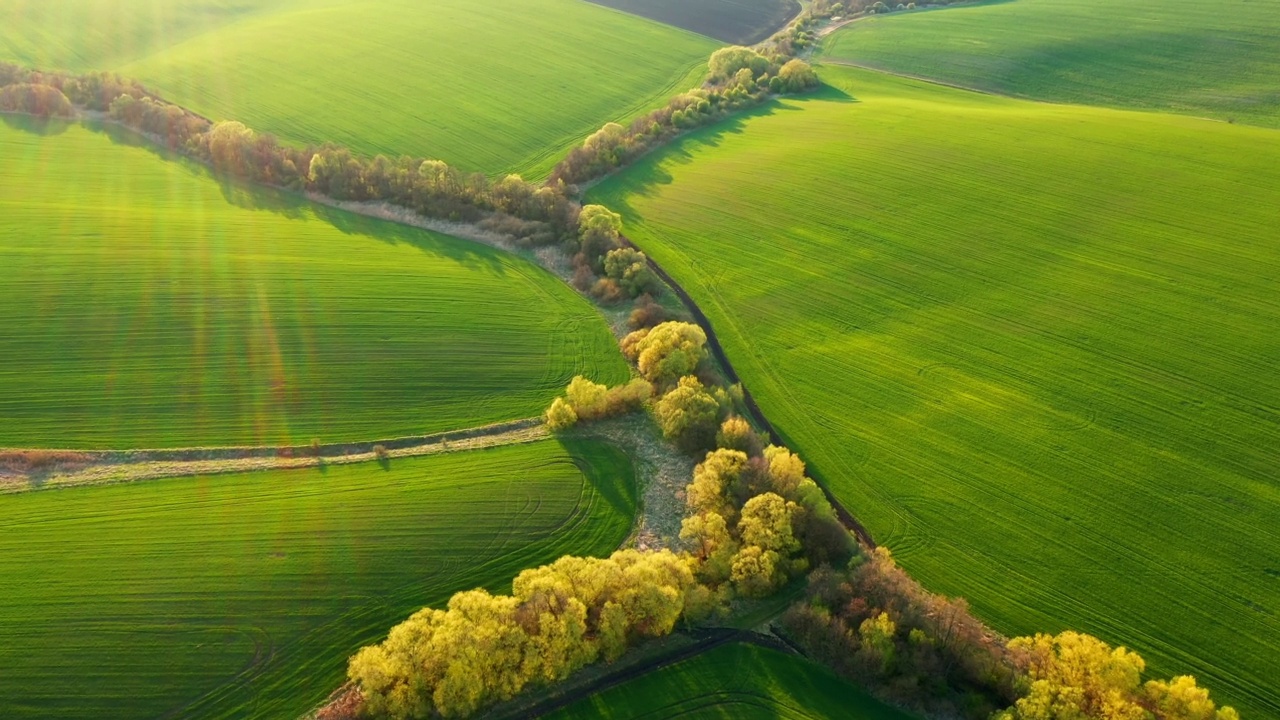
(646,313)
(380,452)
(630,269)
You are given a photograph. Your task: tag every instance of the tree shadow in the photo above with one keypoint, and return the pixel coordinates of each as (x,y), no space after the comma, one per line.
(645,176)
(286,203)
(36,125)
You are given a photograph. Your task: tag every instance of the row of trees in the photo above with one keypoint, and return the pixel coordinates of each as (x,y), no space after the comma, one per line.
(558,618)
(533,214)
(874,624)
(739,77)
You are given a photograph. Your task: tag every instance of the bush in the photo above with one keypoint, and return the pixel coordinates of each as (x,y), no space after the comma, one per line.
(646,313)
(630,269)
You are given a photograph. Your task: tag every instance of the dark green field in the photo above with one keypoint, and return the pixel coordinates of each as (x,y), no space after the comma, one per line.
(739,682)
(241,596)
(1031,346)
(741,22)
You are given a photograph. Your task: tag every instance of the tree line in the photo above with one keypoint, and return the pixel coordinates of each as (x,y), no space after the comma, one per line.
(739,78)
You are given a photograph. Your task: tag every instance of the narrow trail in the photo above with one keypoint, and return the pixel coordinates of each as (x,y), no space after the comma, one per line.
(101,467)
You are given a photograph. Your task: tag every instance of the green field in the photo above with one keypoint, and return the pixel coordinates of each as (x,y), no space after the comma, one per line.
(238,596)
(491,87)
(1033,347)
(1217,59)
(738,682)
(147,304)
(741,22)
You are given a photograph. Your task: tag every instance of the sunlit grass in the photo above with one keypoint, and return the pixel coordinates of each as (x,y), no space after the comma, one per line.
(1032,347)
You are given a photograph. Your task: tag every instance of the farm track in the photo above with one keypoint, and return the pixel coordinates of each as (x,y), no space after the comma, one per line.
(117,466)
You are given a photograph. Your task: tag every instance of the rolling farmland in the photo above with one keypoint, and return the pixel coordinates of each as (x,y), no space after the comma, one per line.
(1212,59)
(238,596)
(1030,346)
(147,304)
(449,79)
(733,21)
(737,681)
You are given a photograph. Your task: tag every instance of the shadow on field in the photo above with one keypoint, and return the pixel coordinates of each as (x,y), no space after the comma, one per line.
(643,178)
(286,203)
(36,125)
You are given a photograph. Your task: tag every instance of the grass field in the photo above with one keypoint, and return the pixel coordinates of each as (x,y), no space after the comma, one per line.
(1212,59)
(505,85)
(737,681)
(145,304)
(1033,347)
(741,22)
(241,596)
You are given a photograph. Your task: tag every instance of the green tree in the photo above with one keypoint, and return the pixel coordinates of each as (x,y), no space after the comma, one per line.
(726,62)
(667,352)
(688,415)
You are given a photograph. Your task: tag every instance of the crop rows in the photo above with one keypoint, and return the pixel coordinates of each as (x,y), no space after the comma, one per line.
(1028,345)
(242,595)
(734,681)
(147,304)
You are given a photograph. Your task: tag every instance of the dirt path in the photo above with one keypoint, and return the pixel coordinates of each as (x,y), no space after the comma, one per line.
(71,469)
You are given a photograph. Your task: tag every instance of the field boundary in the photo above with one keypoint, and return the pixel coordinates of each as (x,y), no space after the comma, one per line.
(103,467)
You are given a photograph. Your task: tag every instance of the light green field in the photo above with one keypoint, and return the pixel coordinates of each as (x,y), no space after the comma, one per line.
(241,596)
(1032,347)
(145,304)
(1216,59)
(503,85)
(738,682)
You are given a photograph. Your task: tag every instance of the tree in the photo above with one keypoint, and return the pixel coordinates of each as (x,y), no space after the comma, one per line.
(599,230)
(561,415)
(786,470)
(797,76)
(667,352)
(712,544)
(726,62)
(767,523)
(630,269)
(712,479)
(688,415)
(736,434)
(586,397)
(755,571)
(1073,675)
